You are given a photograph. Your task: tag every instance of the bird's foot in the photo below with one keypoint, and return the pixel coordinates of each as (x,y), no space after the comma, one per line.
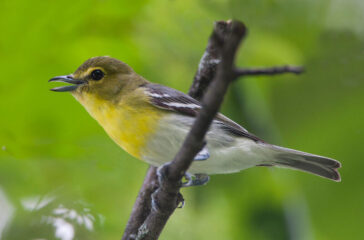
(202,155)
(161,172)
(180,201)
(155,206)
(195,180)
(198,179)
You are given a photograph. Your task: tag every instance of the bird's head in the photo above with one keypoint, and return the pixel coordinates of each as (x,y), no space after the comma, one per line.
(103,77)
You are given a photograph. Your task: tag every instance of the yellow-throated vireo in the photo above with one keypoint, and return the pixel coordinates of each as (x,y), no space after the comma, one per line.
(150,122)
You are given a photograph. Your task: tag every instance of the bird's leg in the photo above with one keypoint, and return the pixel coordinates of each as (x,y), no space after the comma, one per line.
(203,154)
(192,179)
(195,180)
(161,174)
(155,205)
(180,201)
(189,179)
(201,179)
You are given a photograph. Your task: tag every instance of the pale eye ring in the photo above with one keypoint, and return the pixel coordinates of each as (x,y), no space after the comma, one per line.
(97,74)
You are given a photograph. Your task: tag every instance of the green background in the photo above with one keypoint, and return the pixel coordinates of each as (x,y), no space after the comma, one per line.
(51,148)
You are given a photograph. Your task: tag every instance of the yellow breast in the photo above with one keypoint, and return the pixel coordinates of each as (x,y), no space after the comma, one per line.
(129,122)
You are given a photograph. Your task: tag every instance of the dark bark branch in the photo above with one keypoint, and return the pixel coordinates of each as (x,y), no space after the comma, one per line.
(166,198)
(268,71)
(142,205)
(204,75)
(216,70)
(209,60)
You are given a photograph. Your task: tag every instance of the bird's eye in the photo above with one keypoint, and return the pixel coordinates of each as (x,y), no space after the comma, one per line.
(97,74)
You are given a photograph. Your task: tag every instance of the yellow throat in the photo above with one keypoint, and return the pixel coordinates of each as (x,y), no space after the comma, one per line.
(129,122)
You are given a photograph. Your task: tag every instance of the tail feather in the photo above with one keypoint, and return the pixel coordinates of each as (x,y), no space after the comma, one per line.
(318,165)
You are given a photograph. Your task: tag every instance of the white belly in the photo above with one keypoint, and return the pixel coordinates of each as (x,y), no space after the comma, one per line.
(227,153)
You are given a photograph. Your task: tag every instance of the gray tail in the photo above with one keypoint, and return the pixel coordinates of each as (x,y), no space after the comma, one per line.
(318,165)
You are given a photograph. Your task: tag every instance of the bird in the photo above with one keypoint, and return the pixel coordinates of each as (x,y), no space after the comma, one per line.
(150,122)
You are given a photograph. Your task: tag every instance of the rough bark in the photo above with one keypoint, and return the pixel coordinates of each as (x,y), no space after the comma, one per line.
(142,205)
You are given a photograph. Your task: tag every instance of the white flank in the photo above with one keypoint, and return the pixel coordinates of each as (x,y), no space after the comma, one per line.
(227,153)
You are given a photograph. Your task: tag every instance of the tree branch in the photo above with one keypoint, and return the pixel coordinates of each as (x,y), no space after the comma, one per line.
(158,198)
(209,60)
(204,75)
(239,72)
(142,205)
(166,197)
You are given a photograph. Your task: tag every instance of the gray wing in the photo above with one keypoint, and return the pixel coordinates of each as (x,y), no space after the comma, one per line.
(170,99)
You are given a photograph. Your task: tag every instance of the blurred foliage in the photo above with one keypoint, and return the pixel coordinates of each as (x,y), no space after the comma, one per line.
(49,144)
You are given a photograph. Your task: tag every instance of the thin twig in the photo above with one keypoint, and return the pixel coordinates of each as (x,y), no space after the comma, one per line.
(268,71)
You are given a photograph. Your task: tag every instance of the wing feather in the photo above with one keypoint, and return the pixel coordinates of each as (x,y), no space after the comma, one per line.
(170,99)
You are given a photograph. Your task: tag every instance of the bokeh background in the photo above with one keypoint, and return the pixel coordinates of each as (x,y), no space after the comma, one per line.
(61,177)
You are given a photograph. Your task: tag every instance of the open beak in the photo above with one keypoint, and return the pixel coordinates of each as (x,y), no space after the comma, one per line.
(66,79)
